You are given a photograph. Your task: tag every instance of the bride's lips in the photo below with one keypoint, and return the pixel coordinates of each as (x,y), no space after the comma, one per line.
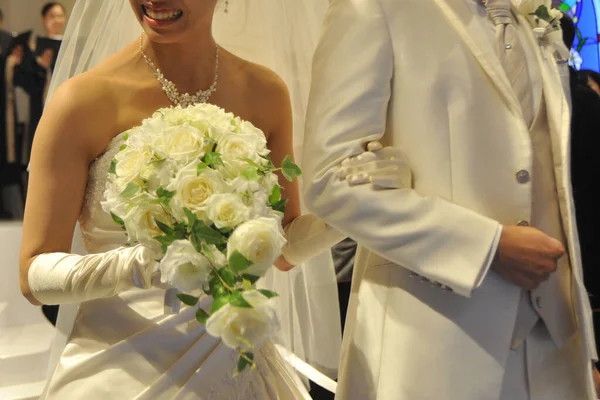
(159,16)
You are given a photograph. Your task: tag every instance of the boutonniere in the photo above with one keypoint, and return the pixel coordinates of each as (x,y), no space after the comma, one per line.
(545,21)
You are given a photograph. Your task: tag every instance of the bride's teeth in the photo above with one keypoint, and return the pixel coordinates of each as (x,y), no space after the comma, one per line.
(163,16)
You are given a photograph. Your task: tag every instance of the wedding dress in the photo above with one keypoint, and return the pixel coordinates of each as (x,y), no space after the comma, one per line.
(126,347)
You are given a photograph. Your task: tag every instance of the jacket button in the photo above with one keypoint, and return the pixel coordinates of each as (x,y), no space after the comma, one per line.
(523,176)
(522,223)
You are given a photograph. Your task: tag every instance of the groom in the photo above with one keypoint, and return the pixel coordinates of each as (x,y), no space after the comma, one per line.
(467,286)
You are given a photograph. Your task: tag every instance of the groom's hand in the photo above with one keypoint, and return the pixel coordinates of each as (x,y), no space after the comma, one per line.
(526,256)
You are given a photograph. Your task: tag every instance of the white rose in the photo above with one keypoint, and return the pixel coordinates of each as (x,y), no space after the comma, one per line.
(245,328)
(132,161)
(269,182)
(259,204)
(235,148)
(141,217)
(192,191)
(243,185)
(227,210)
(246,127)
(260,241)
(159,174)
(184,268)
(181,142)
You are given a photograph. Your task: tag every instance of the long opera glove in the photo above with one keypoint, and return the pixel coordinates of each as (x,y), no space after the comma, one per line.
(60,278)
(308,236)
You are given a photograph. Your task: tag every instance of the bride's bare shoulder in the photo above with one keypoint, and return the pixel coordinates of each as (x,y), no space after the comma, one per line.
(85,110)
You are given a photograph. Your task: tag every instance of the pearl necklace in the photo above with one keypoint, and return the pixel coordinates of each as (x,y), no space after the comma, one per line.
(186,99)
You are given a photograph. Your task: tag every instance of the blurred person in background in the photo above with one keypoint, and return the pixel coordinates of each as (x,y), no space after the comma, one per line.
(585,165)
(35,72)
(5,36)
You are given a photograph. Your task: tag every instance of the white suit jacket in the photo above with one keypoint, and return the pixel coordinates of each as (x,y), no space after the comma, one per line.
(421,75)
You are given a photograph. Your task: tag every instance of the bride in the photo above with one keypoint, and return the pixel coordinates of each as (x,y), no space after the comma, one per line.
(122,344)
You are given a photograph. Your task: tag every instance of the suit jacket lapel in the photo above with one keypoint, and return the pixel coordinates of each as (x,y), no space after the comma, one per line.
(460,17)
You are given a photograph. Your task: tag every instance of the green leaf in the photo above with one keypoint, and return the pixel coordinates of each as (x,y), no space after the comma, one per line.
(280,205)
(253,164)
(125,136)
(123,147)
(130,190)
(251,174)
(219,303)
(212,159)
(202,316)
(204,249)
(270,166)
(542,12)
(225,231)
(180,231)
(166,229)
(246,285)
(268,294)
(228,276)
(290,170)
(204,233)
(164,196)
(251,278)
(117,220)
(192,218)
(238,262)
(246,361)
(275,195)
(237,300)
(187,299)
(201,167)
(165,241)
(113,167)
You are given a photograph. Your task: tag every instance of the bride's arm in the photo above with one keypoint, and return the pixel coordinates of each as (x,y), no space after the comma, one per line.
(71,133)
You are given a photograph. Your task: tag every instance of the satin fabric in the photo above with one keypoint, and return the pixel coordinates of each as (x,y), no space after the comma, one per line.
(125,347)
(422,76)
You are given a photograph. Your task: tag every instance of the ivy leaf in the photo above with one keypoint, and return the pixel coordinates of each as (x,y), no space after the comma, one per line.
(201,167)
(246,361)
(130,190)
(164,196)
(204,249)
(275,195)
(212,159)
(225,231)
(237,300)
(252,163)
(270,166)
(219,303)
(246,285)
(542,12)
(268,294)
(290,170)
(191,217)
(204,233)
(238,262)
(165,241)
(280,205)
(202,316)
(251,278)
(117,220)
(187,299)
(113,167)
(228,276)
(166,229)
(180,231)
(251,174)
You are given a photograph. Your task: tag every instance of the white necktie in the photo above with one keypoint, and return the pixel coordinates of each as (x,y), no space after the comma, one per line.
(512,55)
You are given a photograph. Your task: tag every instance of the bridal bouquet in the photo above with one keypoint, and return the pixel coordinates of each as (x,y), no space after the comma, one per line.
(197,185)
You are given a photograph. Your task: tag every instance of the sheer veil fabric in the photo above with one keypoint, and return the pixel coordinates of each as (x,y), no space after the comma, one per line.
(281,35)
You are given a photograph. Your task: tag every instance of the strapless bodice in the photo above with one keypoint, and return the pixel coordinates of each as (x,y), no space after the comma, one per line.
(100,233)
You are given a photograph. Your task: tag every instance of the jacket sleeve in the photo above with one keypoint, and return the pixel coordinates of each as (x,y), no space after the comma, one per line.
(353,70)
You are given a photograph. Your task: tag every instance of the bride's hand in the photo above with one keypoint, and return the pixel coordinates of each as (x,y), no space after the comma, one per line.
(380,166)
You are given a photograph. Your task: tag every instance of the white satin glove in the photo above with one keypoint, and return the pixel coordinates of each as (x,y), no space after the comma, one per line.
(60,278)
(382,167)
(308,236)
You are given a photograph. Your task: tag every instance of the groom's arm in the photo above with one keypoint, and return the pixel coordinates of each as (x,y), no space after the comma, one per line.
(352,74)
